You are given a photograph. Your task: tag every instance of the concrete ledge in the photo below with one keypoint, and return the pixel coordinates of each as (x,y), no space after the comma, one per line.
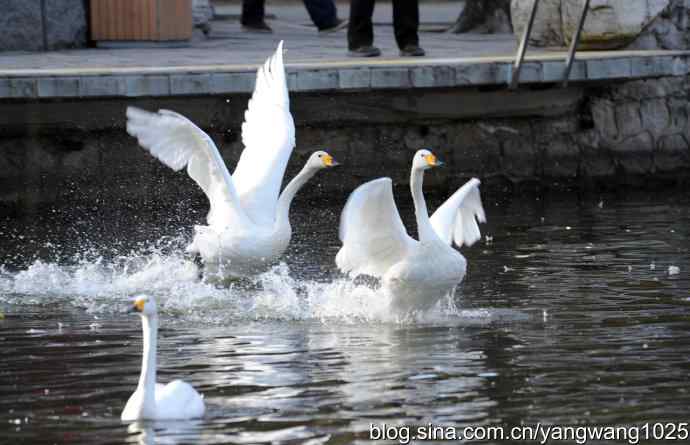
(335,75)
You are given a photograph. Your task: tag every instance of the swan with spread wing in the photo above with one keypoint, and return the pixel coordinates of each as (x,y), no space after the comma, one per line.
(414,274)
(248,222)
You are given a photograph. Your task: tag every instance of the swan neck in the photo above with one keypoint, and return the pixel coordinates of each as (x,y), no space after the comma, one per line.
(289,193)
(424,229)
(147,379)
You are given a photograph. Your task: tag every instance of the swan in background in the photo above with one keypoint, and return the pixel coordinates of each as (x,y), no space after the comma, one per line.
(248,222)
(151,400)
(415,274)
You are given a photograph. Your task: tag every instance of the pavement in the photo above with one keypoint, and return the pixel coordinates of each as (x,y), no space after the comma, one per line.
(225,62)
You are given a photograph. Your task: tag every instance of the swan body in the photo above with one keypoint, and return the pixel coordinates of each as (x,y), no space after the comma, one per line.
(414,274)
(155,401)
(248,223)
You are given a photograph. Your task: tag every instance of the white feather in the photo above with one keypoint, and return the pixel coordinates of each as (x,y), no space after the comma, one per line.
(177,142)
(373,235)
(268,134)
(457,219)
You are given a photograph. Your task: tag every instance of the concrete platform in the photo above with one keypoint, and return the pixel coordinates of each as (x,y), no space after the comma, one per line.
(225,63)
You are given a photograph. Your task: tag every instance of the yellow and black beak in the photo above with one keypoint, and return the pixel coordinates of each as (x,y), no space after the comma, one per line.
(433,161)
(328,161)
(138,306)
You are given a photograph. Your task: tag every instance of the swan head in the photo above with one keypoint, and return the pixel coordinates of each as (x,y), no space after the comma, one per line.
(424,159)
(145,305)
(321,159)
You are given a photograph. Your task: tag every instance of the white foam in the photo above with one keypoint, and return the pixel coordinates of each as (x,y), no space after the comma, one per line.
(100,286)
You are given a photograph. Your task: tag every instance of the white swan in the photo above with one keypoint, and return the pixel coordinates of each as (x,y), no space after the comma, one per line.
(248,222)
(151,400)
(415,274)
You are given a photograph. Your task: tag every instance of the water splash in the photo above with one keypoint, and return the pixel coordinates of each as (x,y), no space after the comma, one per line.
(100,285)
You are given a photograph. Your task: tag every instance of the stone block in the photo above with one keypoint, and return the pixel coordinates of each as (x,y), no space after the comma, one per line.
(422,76)
(232,82)
(604,117)
(390,78)
(103,86)
(601,69)
(597,160)
(482,74)
(317,80)
(65,24)
(651,66)
(610,23)
(531,72)
(20,88)
(354,78)
(635,154)
(291,80)
(444,76)
(190,84)
(680,66)
(21,25)
(554,71)
(672,153)
(143,85)
(678,109)
(655,115)
(628,119)
(58,87)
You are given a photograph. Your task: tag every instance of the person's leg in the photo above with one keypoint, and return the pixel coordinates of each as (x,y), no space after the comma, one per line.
(322,12)
(406,22)
(360,31)
(252,12)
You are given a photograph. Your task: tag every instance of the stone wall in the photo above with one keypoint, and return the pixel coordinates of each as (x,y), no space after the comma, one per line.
(41,25)
(600,136)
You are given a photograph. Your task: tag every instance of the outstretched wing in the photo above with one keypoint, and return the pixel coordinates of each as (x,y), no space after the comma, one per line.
(177,142)
(457,219)
(268,134)
(372,233)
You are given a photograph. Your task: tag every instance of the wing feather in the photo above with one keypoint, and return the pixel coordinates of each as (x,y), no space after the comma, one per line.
(457,220)
(177,142)
(373,235)
(268,134)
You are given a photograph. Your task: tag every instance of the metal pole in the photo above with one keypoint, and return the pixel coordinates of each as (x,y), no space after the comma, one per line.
(520,56)
(573,45)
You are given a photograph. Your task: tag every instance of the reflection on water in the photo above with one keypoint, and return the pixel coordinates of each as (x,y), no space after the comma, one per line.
(569,315)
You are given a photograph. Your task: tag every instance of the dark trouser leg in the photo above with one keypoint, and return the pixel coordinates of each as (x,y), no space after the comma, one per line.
(406,22)
(360,31)
(252,12)
(322,13)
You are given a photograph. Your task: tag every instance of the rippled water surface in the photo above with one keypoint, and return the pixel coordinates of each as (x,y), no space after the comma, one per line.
(572,313)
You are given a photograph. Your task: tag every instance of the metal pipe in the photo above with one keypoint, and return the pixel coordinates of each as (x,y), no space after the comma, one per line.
(520,56)
(573,44)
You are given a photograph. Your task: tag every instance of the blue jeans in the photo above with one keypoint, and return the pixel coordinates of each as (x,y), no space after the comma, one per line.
(322,12)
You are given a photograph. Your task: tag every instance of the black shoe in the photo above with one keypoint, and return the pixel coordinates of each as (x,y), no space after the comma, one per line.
(412,51)
(339,24)
(257,27)
(364,51)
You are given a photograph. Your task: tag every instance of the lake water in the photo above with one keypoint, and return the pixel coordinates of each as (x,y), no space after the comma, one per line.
(569,315)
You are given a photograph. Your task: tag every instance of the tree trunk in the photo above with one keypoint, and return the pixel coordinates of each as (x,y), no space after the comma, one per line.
(484,16)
